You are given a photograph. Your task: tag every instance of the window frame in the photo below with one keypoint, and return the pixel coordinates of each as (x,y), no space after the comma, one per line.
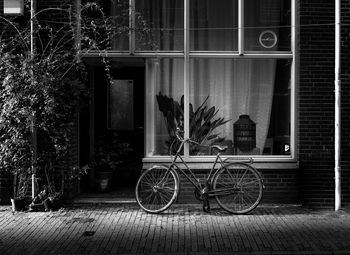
(187,54)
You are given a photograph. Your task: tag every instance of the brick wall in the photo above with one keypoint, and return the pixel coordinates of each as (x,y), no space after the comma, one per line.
(281,186)
(316,103)
(72,188)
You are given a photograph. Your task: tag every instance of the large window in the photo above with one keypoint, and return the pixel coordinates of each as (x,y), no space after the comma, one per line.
(253,97)
(226,66)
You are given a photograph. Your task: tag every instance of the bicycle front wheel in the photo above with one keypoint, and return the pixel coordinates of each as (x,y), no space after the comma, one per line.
(238,188)
(156,189)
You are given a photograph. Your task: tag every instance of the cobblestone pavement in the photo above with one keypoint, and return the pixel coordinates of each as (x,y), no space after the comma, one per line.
(184,229)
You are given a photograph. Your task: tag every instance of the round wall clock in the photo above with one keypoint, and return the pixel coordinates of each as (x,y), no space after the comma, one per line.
(268,39)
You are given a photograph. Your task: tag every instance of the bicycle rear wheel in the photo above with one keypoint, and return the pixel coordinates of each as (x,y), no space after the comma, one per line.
(238,188)
(156,189)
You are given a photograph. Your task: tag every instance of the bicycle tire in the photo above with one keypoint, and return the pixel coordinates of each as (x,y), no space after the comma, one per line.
(246,185)
(156,189)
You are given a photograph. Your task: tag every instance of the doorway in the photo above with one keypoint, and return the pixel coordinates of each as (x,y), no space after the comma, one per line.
(113,128)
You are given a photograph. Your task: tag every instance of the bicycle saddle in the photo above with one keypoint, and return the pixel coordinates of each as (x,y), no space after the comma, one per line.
(219,148)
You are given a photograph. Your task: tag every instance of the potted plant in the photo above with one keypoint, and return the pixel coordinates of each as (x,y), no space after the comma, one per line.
(46,200)
(20,188)
(52,186)
(15,147)
(203,121)
(110,151)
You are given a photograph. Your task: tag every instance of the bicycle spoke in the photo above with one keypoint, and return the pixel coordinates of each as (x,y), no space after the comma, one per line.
(249,182)
(146,184)
(166,194)
(148,179)
(245,197)
(164,198)
(148,198)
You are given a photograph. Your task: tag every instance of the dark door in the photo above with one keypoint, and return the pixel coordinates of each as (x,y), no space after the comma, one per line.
(114,121)
(126,119)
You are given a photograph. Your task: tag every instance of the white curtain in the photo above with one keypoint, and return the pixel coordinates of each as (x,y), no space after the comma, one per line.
(236,87)
(165,76)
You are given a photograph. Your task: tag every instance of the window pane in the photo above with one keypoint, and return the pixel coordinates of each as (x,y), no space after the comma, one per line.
(164,111)
(120,24)
(121,105)
(253,95)
(267,25)
(106,23)
(159,25)
(213,25)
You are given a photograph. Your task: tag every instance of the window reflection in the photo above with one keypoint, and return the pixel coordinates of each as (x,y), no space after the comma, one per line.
(159,25)
(267,25)
(213,25)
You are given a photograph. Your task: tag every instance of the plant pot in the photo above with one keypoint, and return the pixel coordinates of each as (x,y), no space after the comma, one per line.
(36,207)
(18,204)
(104,181)
(56,203)
(47,204)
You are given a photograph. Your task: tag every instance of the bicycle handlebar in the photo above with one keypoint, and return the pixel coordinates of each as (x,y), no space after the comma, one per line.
(177,133)
(192,141)
(181,139)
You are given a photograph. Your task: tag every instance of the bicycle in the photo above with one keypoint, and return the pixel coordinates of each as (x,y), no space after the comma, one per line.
(236,185)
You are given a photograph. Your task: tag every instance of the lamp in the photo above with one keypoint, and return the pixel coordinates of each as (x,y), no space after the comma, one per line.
(13,7)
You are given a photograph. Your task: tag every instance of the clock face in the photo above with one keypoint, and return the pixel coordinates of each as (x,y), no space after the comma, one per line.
(268,39)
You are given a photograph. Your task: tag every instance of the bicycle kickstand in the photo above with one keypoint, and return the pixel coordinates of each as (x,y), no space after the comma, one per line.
(206,204)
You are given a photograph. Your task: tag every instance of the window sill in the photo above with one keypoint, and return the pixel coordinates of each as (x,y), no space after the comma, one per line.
(207,162)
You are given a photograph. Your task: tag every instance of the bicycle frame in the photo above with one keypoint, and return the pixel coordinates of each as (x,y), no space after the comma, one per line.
(192,178)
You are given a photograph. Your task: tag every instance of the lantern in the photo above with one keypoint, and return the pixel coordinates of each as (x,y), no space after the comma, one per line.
(244,133)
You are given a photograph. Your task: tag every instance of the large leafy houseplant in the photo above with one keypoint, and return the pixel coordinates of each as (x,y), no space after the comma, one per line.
(202,121)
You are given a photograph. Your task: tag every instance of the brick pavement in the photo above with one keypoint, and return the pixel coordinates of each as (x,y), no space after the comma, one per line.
(184,229)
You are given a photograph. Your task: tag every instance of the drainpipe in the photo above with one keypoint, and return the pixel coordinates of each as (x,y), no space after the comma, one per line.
(33,127)
(337,84)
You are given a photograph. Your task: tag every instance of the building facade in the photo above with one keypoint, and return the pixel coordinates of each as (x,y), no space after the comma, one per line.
(267,63)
